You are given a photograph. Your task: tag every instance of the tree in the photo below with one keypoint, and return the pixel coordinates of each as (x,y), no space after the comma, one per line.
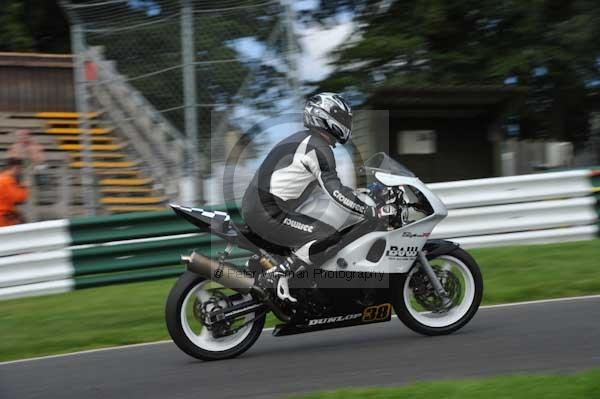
(33,25)
(549,46)
(14,35)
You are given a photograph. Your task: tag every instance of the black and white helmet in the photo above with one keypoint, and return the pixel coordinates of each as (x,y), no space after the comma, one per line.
(329,113)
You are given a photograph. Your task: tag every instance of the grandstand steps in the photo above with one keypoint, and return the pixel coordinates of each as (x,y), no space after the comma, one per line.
(103,165)
(69,122)
(93,147)
(125,191)
(135,208)
(50,143)
(55,155)
(7,140)
(121,185)
(132,200)
(57,115)
(8,123)
(77,191)
(125,182)
(93,139)
(120,173)
(76,130)
(99,155)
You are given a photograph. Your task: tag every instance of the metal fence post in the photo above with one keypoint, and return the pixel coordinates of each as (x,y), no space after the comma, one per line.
(292,54)
(81,103)
(189,97)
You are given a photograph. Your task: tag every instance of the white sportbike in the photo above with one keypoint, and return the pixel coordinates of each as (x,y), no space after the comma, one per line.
(215,311)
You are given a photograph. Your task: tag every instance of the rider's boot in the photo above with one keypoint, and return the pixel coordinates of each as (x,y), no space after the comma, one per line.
(276,278)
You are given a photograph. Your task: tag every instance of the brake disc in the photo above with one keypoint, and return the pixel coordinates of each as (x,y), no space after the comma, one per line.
(424,291)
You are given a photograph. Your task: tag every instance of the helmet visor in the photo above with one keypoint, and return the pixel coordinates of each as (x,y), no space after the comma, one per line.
(343,117)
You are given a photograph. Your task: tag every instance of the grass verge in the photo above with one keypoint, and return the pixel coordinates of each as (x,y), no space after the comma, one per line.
(577,386)
(133,313)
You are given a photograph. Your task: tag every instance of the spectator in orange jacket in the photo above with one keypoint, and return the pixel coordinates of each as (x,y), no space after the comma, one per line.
(12,193)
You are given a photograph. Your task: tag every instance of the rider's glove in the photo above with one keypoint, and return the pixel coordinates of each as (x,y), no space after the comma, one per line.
(381,212)
(386,211)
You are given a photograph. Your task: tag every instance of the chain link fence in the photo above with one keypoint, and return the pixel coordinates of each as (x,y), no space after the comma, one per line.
(242,61)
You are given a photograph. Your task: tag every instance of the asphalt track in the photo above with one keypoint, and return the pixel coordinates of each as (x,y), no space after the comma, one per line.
(562,336)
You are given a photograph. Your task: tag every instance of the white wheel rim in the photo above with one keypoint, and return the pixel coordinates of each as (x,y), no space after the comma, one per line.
(205,340)
(437,320)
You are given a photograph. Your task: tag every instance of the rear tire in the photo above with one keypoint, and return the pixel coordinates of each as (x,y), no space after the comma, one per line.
(407,314)
(180,333)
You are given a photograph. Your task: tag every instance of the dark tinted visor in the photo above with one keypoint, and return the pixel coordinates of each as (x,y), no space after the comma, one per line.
(343,117)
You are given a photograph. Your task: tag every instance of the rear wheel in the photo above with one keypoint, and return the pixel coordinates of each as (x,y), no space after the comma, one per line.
(421,310)
(190,298)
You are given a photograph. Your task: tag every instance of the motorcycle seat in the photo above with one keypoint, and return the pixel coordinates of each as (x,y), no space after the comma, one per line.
(256,240)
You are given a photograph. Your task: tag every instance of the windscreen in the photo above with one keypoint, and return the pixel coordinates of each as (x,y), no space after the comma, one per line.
(381,162)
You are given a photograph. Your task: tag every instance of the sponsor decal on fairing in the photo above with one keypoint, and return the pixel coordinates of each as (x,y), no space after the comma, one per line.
(402,253)
(335,319)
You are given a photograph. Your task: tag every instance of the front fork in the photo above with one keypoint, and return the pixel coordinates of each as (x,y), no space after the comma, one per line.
(437,285)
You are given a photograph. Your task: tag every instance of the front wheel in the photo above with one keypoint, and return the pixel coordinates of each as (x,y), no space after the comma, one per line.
(190,297)
(421,310)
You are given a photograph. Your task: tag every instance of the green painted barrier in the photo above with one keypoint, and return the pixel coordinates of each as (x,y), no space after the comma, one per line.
(136,225)
(99,280)
(129,226)
(106,254)
(134,256)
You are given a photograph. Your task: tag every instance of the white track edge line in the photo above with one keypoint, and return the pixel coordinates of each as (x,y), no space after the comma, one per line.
(84,352)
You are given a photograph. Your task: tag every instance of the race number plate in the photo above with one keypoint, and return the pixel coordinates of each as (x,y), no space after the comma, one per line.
(377,312)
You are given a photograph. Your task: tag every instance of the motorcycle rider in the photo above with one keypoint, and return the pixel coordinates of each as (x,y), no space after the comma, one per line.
(288,176)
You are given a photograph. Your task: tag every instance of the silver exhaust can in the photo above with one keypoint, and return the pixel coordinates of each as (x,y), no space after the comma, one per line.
(225,274)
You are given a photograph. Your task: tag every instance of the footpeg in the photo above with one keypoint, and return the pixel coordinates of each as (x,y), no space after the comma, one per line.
(283,289)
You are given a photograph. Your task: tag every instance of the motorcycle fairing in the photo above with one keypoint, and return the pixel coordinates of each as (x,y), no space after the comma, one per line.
(435,248)
(214,221)
(346,311)
(402,245)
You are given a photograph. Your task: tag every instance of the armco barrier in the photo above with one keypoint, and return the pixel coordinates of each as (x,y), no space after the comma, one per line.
(536,215)
(578,233)
(35,268)
(58,256)
(34,237)
(35,289)
(514,189)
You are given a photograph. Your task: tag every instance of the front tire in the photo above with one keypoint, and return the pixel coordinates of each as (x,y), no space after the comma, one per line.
(190,335)
(410,293)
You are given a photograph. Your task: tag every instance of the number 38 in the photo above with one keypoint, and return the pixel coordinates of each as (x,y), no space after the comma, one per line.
(376,313)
